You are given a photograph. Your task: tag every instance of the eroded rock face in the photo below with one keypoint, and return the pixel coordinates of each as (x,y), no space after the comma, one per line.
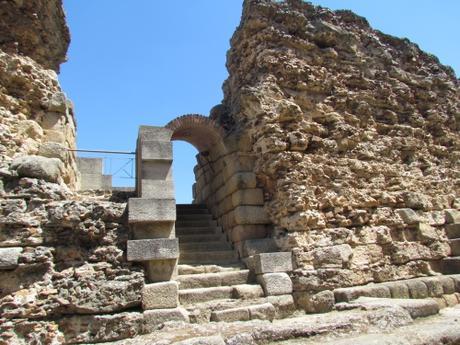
(35,28)
(64,259)
(347,126)
(36,118)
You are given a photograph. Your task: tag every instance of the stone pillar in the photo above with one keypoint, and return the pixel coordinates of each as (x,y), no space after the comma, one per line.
(152,214)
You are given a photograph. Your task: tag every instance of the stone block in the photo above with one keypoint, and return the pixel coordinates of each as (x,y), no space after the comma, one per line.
(247,291)
(153,249)
(284,305)
(320,302)
(417,288)
(452,216)
(251,215)
(89,165)
(408,215)
(447,283)
(156,151)
(246,232)
(154,133)
(426,233)
(398,289)
(143,231)
(416,308)
(155,170)
(160,295)
(9,257)
(243,180)
(157,189)
(106,182)
(275,284)
(273,262)
(230,315)
(434,286)
(151,210)
(265,311)
(332,256)
(257,246)
(453,230)
(91,181)
(160,270)
(252,196)
(156,317)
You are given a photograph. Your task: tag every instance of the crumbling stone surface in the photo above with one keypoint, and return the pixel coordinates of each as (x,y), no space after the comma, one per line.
(355,142)
(36,118)
(35,28)
(69,265)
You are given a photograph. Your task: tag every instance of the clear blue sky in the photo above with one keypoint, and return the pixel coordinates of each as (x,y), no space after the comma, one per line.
(145,62)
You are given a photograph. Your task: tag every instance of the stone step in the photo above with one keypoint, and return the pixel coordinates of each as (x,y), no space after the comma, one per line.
(200,238)
(455,247)
(199,269)
(453,230)
(193,296)
(192,216)
(201,312)
(199,230)
(195,223)
(204,246)
(218,257)
(265,311)
(204,280)
(451,265)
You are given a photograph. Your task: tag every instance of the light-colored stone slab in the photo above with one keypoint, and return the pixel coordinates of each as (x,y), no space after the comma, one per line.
(157,189)
(415,307)
(151,210)
(264,311)
(273,262)
(275,284)
(155,317)
(154,133)
(230,315)
(156,151)
(9,257)
(160,295)
(153,249)
(408,215)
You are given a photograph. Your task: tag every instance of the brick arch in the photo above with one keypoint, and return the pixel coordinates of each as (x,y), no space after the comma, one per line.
(200,131)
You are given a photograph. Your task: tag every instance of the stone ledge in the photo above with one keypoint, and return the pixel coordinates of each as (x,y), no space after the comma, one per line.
(152,249)
(151,210)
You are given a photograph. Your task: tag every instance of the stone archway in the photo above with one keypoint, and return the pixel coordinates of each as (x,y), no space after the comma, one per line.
(202,132)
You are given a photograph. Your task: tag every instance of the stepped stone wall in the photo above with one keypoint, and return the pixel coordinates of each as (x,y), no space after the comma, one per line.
(353,137)
(36,118)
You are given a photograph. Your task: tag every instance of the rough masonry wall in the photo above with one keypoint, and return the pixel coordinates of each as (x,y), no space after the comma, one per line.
(36,119)
(64,277)
(347,126)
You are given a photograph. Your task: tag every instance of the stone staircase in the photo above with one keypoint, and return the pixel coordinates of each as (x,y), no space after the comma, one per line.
(451,265)
(214,285)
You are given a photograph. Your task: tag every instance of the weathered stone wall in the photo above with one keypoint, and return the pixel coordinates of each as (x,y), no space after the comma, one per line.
(354,139)
(36,119)
(63,270)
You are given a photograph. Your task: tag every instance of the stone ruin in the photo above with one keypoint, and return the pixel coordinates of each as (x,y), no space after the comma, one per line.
(328,174)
